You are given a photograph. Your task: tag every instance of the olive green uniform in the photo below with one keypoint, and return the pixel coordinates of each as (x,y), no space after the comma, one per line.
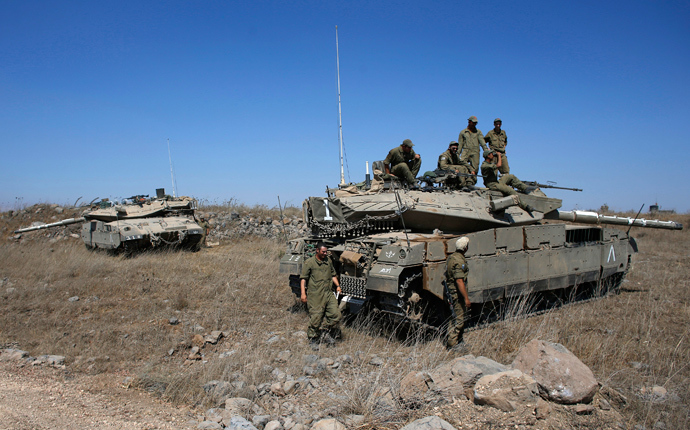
(321,303)
(205,226)
(505,184)
(450,161)
(498,142)
(456,268)
(403,165)
(469,144)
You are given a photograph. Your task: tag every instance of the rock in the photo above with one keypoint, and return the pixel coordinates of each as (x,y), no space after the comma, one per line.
(542,410)
(283,356)
(457,377)
(59,210)
(279,374)
(354,420)
(277,389)
(217,389)
(614,397)
(274,339)
(10,354)
(654,394)
(429,423)
(54,360)
(238,423)
(301,334)
(198,340)
(194,354)
(345,359)
(273,425)
(376,361)
(506,390)
(73,299)
(214,337)
(214,414)
(581,409)
(604,405)
(260,420)
(561,376)
(209,425)
(414,386)
(290,386)
(173,321)
(226,354)
(328,424)
(242,406)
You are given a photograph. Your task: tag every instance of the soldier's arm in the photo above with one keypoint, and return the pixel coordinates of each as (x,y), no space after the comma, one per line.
(387,162)
(506,136)
(481,141)
(500,160)
(463,291)
(303,290)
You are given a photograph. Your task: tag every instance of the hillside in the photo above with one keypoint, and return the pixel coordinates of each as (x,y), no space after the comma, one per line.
(135,322)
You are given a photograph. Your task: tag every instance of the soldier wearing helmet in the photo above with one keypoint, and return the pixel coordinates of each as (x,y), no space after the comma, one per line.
(497,140)
(470,140)
(456,282)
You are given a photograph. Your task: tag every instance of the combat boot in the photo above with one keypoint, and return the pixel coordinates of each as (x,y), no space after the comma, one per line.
(327,338)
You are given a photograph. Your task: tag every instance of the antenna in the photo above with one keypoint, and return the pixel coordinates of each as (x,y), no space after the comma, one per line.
(340,116)
(172,175)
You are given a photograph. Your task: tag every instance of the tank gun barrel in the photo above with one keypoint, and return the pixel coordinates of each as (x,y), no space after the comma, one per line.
(51,225)
(589,217)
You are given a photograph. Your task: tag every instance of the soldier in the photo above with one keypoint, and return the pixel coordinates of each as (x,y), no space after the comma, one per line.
(507,182)
(205,229)
(470,140)
(450,162)
(456,282)
(498,141)
(318,276)
(403,163)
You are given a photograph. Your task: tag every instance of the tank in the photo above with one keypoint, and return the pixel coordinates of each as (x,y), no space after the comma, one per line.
(138,223)
(389,246)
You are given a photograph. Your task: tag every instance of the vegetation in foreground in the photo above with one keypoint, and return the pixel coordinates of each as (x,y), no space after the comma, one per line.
(121,324)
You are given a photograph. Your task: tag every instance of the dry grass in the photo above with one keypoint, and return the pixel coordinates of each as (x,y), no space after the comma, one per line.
(120,325)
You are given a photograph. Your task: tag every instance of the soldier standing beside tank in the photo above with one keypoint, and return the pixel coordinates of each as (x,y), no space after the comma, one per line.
(498,141)
(318,275)
(403,163)
(205,229)
(450,162)
(456,281)
(470,140)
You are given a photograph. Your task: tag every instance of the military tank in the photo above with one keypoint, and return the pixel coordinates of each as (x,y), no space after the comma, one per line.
(389,246)
(138,223)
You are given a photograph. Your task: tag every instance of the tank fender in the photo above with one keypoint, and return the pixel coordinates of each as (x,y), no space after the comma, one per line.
(403,255)
(384,278)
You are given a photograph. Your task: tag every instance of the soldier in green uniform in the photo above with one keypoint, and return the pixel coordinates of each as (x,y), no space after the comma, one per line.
(456,281)
(498,141)
(403,162)
(205,229)
(507,182)
(318,275)
(470,140)
(450,162)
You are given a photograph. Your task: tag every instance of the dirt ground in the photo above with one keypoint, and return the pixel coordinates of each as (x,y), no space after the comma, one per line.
(34,397)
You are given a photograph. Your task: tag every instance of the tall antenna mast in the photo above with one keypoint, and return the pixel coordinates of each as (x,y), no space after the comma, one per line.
(340,116)
(172,176)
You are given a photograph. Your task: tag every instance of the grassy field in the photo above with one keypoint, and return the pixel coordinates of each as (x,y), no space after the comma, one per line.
(120,324)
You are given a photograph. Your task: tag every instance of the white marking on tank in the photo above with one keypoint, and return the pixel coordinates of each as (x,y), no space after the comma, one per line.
(328,216)
(385,270)
(612,253)
(390,254)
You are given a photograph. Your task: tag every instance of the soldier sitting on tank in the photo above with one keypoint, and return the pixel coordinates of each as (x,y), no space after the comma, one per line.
(507,182)
(403,163)
(449,164)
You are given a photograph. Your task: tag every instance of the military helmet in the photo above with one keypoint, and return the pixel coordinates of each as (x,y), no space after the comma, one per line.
(408,142)
(462,244)
(473,119)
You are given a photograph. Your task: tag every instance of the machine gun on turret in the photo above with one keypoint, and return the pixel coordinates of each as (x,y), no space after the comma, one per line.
(549,185)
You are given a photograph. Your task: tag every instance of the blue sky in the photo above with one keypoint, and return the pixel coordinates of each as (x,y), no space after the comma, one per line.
(593,95)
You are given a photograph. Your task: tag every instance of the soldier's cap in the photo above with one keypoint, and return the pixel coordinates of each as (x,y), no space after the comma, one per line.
(462,244)
(487,153)
(453,143)
(408,142)
(473,119)
(498,120)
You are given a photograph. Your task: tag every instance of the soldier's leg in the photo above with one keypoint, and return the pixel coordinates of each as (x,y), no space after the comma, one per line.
(416,165)
(502,188)
(513,181)
(316,304)
(457,324)
(403,172)
(505,168)
(332,317)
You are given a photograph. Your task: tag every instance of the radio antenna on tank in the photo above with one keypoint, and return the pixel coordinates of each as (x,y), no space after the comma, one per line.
(340,116)
(172,175)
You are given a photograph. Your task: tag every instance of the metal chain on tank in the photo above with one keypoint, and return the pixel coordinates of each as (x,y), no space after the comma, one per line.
(406,284)
(158,238)
(332,229)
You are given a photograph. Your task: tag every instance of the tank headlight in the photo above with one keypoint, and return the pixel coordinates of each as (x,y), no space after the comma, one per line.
(403,254)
